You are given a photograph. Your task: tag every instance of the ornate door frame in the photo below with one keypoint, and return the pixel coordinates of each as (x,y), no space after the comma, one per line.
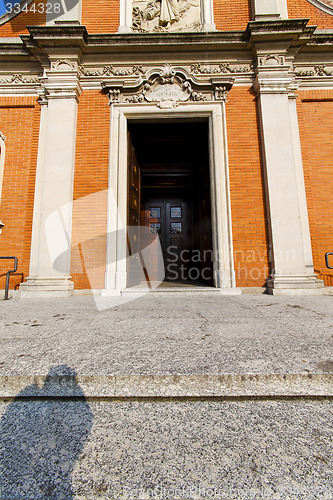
(116,273)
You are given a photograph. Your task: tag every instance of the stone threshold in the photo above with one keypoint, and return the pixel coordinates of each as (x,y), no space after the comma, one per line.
(168,386)
(181,289)
(327,290)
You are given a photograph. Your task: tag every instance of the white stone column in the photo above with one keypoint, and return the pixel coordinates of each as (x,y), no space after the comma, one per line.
(71,10)
(51,236)
(286,198)
(2,159)
(304,218)
(269,9)
(207,10)
(125,16)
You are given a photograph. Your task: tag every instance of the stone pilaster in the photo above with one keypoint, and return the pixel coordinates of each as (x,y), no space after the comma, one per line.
(67,10)
(49,272)
(269,9)
(291,256)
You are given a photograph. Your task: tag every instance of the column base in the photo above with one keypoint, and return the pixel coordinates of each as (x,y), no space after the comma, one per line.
(48,286)
(295,285)
(209,27)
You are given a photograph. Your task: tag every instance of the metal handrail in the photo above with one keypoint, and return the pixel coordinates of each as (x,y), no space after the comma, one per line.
(326,260)
(15,259)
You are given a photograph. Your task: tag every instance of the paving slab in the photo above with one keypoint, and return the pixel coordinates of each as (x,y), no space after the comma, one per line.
(244,450)
(152,335)
(142,400)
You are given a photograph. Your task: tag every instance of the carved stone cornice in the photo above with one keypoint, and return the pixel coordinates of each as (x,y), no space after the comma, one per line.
(287,28)
(322,38)
(167,87)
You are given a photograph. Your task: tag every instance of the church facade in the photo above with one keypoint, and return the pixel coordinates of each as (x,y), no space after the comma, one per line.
(199,129)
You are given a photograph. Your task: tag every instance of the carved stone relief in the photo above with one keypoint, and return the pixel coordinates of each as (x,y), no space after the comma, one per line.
(271,60)
(167,87)
(319,70)
(18,79)
(62,65)
(111,71)
(166,15)
(222,68)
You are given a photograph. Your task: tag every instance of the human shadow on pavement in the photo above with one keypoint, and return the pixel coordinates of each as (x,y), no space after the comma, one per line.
(42,435)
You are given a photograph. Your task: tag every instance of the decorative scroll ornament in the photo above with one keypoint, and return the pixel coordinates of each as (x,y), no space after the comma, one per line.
(2,136)
(62,65)
(166,15)
(167,89)
(18,79)
(221,93)
(110,71)
(221,69)
(319,70)
(271,60)
(114,95)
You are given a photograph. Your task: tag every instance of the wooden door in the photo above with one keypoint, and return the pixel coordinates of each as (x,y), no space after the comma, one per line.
(170,218)
(134,268)
(205,227)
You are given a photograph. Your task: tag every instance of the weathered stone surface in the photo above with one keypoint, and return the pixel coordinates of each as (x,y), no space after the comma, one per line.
(195,334)
(188,449)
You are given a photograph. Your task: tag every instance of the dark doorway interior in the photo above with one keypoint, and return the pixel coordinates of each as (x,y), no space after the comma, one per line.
(169,163)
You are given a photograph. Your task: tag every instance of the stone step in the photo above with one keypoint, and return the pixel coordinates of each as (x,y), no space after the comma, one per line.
(168,386)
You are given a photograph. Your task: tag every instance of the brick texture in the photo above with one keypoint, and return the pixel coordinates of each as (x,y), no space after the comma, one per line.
(232,15)
(19,121)
(17,25)
(303,9)
(315,111)
(90,198)
(100,16)
(248,205)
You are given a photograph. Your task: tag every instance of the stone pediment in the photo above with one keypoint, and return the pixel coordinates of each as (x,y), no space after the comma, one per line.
(167,87)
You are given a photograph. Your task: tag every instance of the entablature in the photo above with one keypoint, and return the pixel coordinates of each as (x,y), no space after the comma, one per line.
(67,51)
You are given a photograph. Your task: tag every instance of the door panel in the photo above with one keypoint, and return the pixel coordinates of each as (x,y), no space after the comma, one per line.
(169,217)
(133,218)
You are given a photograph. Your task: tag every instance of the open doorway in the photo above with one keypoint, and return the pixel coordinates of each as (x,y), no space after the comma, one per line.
(169,195)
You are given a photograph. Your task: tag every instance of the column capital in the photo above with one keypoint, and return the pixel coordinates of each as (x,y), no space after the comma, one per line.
(61,84)
(275,83)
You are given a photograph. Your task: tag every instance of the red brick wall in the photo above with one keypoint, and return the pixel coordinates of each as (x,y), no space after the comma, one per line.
(19,121)
(17,25)
(304,9)
(232,15)
(248,205)
(315,112)
(100,16)
(91,178)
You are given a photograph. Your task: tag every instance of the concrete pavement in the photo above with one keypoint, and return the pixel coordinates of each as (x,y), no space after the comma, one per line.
(194,396)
